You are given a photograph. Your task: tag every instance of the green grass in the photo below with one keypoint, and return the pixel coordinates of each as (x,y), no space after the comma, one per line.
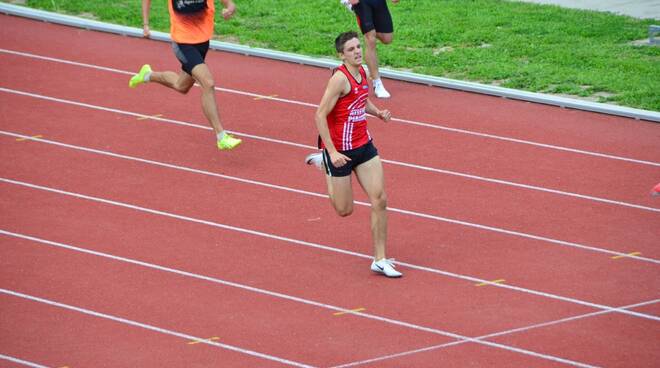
(517,45)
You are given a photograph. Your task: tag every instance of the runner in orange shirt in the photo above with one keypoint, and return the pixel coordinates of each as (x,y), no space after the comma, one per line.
(191,29)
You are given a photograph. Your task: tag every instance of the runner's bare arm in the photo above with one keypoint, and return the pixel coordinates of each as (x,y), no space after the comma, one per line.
(337,86)
(229,9)
(146,6)
(384,115)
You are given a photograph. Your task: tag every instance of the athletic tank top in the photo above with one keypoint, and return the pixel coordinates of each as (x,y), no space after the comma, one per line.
(347,121)
(192,28)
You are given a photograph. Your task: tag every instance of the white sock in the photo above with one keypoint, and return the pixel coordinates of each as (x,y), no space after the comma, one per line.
(221,135)
(147,77)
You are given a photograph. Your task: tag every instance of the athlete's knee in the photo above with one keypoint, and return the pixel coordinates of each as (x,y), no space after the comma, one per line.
(206,83)
(182,87)
(370,39)
(379,203)
(344,210)
(386,38)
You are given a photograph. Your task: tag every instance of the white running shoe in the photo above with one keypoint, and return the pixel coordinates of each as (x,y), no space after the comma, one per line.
(386,267)
(315,159)
(380,90)
(347,4)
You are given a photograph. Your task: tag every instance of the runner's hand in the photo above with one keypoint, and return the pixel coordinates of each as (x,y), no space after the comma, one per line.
(338,160)
(384,115)
(229,11)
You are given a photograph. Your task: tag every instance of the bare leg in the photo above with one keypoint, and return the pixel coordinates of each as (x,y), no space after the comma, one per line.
(370,176)
(341,194)
(181,82)
(371,55)
(202,75)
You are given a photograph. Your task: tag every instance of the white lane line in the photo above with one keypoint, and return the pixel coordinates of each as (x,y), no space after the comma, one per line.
(21,361)
(405,121)
(496,334)
(323,247)
(288,143)
(365,204)
(154,328)
(295,299)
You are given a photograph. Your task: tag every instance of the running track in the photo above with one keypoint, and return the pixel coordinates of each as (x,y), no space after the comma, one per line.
(128,240)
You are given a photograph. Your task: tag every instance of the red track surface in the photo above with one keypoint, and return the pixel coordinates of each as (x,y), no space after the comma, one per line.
(124,238)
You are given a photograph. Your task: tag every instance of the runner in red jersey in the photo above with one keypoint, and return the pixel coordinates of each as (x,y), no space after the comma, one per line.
(347,121)
(341,120)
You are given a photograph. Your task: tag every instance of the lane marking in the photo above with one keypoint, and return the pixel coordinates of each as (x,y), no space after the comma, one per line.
(21,361)
(269,97)
(498,281)
(266,292)
(23,139)
(405,121)
(496,334)
(351,311)
(319,246)
(319,195)
(150,117)
(629,255)
(288,143)
(194,342)
(151,328)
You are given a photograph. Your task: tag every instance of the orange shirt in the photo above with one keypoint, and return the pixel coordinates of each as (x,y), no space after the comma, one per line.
(196,28)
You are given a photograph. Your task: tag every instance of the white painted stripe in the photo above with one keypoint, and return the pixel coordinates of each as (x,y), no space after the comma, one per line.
(392,162)
(522,141)
(524,186)
(405,121)
(365,204)
(295,299)
(323,247)
(21,361)
(154,328)
(497,334)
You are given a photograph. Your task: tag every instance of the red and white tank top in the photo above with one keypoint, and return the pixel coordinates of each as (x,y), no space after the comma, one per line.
(347,121)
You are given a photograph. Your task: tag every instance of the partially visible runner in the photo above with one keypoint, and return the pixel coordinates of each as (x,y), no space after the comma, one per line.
(191,30)
(341,120)
(656,190)
(375,21)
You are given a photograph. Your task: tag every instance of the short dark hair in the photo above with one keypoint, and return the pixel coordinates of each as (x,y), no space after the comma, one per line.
(343,38)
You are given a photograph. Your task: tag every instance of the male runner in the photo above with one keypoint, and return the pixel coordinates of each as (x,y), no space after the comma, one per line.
(375,21)
(191,28)
(342,124)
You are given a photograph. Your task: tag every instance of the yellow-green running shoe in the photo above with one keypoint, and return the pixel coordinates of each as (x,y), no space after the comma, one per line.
(138,78)
(228,142)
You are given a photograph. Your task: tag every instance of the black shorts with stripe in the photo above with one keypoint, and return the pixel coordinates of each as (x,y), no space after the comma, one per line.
(358,156)
(190,55)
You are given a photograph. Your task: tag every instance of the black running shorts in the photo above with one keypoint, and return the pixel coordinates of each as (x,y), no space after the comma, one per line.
(373,14)
(358,156)
(190,55)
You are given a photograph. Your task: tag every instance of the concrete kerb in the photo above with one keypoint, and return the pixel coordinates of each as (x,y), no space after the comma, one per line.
(329,63)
